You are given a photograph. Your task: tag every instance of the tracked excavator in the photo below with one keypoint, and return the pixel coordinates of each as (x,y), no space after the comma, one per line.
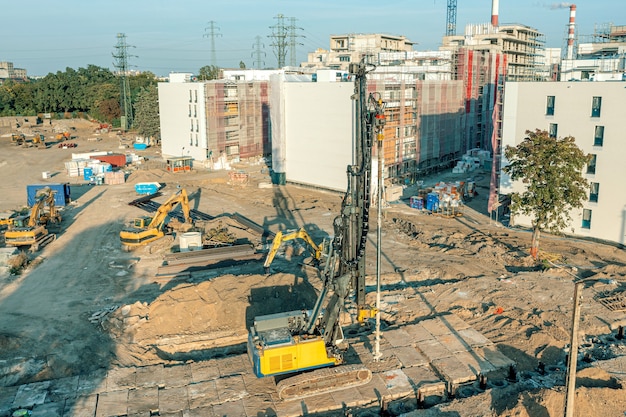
(316,250)
(304,346)
(30,230)
(144,230)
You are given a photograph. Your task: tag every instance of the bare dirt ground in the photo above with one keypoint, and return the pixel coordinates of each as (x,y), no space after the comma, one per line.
(84,304)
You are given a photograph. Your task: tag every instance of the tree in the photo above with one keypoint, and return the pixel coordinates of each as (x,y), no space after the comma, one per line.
(242,65)
(147,112)
(551,170)
(209,72)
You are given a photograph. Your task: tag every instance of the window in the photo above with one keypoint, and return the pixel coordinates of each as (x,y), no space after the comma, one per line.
(195,95)
(195,111)
(550,106)
(190,110)
(191,124)
(190,96)
(598,139)
(553,129)
(594,190)
(344,58)
(190,139)
(596,105)
(586,219)
(591,166)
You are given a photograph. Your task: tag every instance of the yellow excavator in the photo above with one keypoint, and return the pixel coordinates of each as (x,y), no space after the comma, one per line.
(281,237)
(30,230)
(144,230)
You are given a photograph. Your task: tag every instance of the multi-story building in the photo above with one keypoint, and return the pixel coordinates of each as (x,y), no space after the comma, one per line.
(214,120)
(345,49)
(8,71)
(591,112)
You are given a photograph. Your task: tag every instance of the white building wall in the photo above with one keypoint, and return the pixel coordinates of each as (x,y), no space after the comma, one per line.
(525,109)
(183,120)
(314,131)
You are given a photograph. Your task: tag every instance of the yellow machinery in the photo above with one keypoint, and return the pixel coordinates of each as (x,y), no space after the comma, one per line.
(304,340)
(6,219)
(62,136)
(18,138)
(147,229)
(30,230)
(281,237)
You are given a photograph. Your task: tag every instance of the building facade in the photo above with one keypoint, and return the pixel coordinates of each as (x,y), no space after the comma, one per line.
(591,112)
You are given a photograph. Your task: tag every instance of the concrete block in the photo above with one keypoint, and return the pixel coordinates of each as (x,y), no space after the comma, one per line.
(172,400)
(475,362)
(437,327)
(453,370)
(256,405)
(474,338)
(455,321)
(397,337)
(177,376)
(84,406)
(232,408)
(418,333)
(149,376)
(29,395)
(48,410)
(259,386)
(350,397)
(433,349)
(318,404)
(7,397)
(230,388)
(92,383)
(375,390)
(204,371)
(199,412)
(234,365)
(424,379)
(397,384)
(408,356)
(143,400)
(121,378)
(495,357)
(63,388)
(112,403)
(453,342)
(202,395)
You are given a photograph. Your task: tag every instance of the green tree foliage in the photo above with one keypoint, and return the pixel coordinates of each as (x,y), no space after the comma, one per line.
(146,120)
(209,72)
(242,65)
(551,171)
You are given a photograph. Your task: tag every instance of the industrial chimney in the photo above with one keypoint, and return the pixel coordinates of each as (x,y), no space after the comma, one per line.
(570,32)
(494,13)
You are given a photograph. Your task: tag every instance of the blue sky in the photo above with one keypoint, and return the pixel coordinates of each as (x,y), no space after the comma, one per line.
(172,36)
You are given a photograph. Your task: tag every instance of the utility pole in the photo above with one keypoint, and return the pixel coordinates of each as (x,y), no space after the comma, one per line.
(292,41)
(121,64)
(279,39)
(258,46)
(212,35)
(572,358)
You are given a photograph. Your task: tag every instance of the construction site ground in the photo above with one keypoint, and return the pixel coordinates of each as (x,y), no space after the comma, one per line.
(88,329)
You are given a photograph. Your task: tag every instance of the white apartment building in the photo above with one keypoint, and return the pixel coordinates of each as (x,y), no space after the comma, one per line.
(593,113)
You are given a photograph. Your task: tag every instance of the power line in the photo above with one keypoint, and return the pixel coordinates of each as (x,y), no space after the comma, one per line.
(212,34)
(279,39)
(292,41)
(258,62)
(121,63)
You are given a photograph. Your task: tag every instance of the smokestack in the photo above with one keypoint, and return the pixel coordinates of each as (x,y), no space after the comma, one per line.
(570,33)
(494,13)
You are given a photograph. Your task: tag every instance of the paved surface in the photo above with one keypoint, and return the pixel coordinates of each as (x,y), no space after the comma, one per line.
(427,359)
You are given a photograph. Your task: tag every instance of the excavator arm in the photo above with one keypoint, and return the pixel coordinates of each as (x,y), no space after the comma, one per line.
(281,237)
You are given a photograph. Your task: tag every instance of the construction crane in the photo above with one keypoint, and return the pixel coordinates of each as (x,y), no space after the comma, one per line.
(297,341)
(144,230)
(30,230)
(451,18)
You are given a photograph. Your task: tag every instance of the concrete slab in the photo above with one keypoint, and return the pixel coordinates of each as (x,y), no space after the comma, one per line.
(199,412)
(149,376)
(418,333)
(408,356)
(7,396)
(143,400)
(423,379)
(29,395)
(84,406)
(173,399)
(433,349)
(397,337)
(231,408)
(454,321)
(204,371)
(397,384)
(437,327)
(177,376)
(319,404)
(495,357)
(234,365)
(350,397)
(453,342)
(92,383)
(63,388)
(291,408)
(202,394)
(475,362)
(48,410)
(259,386)
(375,390)
(112,403)
(121,378)
(453,370)
(474,338)
(230,388)
(255,405)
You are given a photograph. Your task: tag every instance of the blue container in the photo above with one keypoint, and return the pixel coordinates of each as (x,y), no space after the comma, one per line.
(87,173)
(61,198)
(147,187)
(140,146)
(432,201)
